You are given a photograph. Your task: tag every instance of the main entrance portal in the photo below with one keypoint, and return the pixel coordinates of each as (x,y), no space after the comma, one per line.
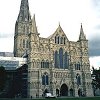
(64,90)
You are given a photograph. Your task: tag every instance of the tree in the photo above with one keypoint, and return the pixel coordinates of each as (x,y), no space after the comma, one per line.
(96,79)
(2,77)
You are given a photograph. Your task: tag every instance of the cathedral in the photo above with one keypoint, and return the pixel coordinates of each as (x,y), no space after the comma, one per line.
(55,64)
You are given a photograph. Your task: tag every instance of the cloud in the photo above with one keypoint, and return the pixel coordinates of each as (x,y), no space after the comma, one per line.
(97,27)
(96,6)
(97,2)
(94,40)
(94,46)
(95,62)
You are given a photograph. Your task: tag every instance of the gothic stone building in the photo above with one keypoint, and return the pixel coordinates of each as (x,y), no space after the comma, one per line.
(55,64)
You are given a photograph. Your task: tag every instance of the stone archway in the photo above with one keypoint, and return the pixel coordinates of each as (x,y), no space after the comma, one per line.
(57,92)
(71,92)
(64,90)
(79,92)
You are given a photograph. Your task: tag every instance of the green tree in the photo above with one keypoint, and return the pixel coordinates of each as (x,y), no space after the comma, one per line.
(2,77)
(96,73)
(95,79)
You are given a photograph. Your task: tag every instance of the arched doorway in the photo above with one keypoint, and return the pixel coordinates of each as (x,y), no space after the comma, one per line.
(71,92)
(57,92)
(64,90)
(79,92)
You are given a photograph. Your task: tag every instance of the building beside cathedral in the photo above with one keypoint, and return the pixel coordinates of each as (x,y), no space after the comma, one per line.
(55,64)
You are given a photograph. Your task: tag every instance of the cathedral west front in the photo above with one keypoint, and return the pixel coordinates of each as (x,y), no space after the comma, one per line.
(55,64)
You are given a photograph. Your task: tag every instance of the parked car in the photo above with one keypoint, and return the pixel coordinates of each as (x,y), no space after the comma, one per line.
(49,95)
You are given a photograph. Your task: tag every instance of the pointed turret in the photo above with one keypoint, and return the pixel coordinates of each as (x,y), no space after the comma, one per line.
(82,35)
(24,14)
(22,29)
(59,29)
(34,27)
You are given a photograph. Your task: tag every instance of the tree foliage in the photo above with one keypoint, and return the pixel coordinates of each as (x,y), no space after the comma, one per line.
(95,80)
(2,77)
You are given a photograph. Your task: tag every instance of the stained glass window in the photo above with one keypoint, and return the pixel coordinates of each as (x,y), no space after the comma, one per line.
(45,79)
(56,59)
(66,60)
(78,79)
(23,43)
(61,57)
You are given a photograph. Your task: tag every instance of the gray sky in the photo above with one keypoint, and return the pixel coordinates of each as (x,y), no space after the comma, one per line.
(70,14)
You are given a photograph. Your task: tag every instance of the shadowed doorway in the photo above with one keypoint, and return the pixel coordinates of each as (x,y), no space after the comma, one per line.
(57,92)
(64,90)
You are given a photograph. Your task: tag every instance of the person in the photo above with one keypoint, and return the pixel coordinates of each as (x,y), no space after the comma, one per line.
(79,92)
(31,97)
(36,95)
(78,80)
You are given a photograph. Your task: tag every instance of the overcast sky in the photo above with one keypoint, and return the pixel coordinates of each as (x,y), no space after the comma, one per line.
(70,14)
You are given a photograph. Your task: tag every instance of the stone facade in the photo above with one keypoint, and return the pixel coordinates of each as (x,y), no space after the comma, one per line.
(55,64)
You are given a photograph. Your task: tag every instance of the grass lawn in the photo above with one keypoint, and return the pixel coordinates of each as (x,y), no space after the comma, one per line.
(65,98)
(80,98)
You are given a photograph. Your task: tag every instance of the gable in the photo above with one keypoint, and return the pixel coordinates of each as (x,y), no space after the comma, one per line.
(59,36)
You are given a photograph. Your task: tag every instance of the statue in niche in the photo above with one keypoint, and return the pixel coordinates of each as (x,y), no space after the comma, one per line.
(78,78)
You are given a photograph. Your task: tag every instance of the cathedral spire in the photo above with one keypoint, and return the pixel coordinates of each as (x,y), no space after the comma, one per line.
(24,14)
(34,27)
(82,35)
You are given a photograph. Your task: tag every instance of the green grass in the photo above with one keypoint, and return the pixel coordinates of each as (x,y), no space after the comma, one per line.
(75,98)
(80,98)
(67,98)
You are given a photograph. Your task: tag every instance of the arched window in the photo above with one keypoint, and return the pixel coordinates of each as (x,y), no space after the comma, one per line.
(61,40)
(42,64)
(45,79)
(56,59)
(23,43)
(47,64)
(77,66)
(55,39)
(27,44)
(58,39)
(61,57)
(78,79)
(64,40)
(66,60)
